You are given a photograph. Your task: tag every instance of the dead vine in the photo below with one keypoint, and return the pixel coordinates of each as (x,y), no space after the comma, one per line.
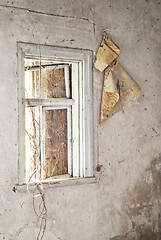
(52,85)
(42,214)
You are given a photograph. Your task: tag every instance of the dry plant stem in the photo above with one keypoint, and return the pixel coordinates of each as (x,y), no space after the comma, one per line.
(38,166)
(35,146)
(43,211)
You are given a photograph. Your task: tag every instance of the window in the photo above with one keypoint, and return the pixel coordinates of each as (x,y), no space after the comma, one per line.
(55,110)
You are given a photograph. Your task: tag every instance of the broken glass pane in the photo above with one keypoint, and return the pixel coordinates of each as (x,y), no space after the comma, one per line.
(56,154)
(32,79)
(53,83)
(49,82)
(32,142)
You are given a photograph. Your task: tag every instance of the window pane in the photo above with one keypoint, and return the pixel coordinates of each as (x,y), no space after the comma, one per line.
(53,83)
(32,143)
(32,79)
(56,153)
(47,83)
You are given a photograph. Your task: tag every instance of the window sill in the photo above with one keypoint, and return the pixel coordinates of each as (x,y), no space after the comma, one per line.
(55,183)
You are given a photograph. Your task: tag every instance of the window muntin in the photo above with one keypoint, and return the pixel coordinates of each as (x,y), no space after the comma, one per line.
(74,99)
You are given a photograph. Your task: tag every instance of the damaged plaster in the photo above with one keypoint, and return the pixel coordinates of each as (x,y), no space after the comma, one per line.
(125,204)
(142,205)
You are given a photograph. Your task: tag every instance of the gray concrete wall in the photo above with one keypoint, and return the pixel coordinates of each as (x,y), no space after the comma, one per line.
(125,202)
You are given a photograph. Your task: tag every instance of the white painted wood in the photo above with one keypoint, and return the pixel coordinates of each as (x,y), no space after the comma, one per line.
(69,137)
(82,134)
(56,183)
(44,67)
(75,120)
(49,102)
(21,119)
(88,116)
(42,166)
(56,107)
(67,86)
(61,54)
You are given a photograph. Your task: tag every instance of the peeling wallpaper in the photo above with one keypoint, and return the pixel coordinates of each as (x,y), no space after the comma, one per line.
(125,203)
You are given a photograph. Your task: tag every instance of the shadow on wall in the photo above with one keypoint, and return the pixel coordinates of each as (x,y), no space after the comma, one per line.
(142,205)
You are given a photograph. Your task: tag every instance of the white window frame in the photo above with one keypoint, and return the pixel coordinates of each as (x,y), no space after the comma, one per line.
(81,148)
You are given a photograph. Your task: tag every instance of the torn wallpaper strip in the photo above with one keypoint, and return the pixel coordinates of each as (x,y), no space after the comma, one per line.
(110,95)
(119,88)
(107,52)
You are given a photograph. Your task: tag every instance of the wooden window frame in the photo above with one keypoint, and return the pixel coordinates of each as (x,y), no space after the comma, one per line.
(80,151)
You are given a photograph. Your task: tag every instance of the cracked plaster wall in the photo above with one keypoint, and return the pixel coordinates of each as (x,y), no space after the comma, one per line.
(125,203)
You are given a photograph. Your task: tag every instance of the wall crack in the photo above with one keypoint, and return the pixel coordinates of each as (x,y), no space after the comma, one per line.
(50,14)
